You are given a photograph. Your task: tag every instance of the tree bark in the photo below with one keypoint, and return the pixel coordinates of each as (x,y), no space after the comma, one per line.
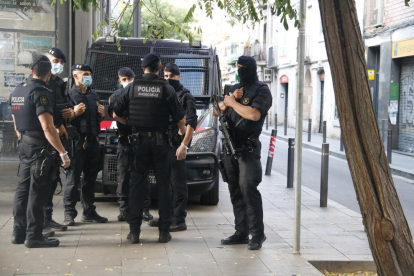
(388,233)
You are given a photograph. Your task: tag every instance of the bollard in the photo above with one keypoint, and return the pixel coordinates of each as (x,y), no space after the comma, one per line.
(324,175)
(324,131)
(341,144)
(291,162)
(271,152)
(285,125)
(275,120)
(389,146)
(309,130)
(267,122)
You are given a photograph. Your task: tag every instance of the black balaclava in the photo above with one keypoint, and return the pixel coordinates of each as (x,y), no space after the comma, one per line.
(173,68)
(248,73)
(174,83)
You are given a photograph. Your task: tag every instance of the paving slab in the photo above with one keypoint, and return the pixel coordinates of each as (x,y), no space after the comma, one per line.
(333,233)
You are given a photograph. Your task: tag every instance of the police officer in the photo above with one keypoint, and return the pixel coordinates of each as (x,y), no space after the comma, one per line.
(149,103)
(32,110)
(58,88)
(246,109)
(179,146)
(126,77)
(87,151)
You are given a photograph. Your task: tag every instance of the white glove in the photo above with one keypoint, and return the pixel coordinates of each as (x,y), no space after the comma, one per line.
(65,160)
(181,152)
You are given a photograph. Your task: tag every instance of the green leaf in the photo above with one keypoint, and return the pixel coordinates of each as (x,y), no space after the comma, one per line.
(140,3)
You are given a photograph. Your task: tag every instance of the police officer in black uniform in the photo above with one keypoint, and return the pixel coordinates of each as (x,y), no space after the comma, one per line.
(149,103)
(32,109)
(87,151)
(58,88)
(246,108)
(179,146)
(126,77)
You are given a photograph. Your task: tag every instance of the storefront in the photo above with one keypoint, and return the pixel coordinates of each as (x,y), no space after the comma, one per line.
(402,103)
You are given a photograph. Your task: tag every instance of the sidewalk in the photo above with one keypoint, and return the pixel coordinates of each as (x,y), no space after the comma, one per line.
(332,233)
(401,165)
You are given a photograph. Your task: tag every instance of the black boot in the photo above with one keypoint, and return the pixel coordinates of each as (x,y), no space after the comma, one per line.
(147,216)
(134,237)
(178,227)
(256,242)
(153,222)
(164,237)
(41,243)
(235,239)
(69,220)
(122,216)
(50,224)
(94,217)
(18,237)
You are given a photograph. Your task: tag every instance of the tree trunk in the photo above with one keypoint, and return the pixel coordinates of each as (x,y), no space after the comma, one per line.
(388,233)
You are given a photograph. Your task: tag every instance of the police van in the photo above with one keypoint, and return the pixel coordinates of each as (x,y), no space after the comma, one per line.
(200,73)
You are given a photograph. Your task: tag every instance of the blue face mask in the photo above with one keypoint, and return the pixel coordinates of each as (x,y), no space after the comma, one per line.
(87,81)
(57,69)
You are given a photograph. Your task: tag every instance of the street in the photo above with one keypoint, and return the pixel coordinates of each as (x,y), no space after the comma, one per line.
(340,188)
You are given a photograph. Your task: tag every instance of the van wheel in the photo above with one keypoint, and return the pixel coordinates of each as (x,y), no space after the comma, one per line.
(212,197)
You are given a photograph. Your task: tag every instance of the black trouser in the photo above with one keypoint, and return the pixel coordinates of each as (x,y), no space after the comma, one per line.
(123,182)
(179,186)
(48,209)
(146,154)
(31,193)
(244,176)
(87,156)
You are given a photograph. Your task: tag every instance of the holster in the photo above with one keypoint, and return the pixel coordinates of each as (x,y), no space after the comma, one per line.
(43,167)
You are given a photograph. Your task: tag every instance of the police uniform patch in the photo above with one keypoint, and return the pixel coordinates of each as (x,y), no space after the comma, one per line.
(246,101)
(148,91)
(43,100)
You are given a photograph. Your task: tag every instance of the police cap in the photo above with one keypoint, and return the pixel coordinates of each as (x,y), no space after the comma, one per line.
(126,72)
(42,61)
(57,53)
(81,67)
(173,68)
(150,59)
(247,61)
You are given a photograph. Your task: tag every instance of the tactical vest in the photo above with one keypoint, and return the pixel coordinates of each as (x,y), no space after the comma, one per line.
(58,86)
(23,109)
(180,94)
(245,128)
(91,101)
(148,107)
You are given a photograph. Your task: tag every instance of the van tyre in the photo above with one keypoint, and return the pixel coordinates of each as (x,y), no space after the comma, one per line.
(212,197)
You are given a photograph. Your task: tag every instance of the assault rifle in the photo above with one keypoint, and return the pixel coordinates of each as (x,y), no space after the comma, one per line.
(224,128)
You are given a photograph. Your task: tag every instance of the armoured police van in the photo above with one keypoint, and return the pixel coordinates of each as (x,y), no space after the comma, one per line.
(200,73)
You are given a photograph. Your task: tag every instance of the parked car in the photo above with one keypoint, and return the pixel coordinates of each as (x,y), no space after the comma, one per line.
(200,73)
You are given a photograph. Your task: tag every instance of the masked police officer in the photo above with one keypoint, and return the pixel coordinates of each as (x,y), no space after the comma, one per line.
(149,103)
(58,88)
(179,146)
(87,152)
(246,109)
(126,78)
(32,110)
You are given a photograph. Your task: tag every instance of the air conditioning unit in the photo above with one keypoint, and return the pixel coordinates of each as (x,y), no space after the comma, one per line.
(268,75)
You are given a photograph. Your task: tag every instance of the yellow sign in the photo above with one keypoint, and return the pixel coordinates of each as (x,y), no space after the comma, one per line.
(403,48)
(371,74)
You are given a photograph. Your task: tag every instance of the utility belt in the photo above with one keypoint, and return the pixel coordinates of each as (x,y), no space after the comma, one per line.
(89,138)
(137,137)
(248,145)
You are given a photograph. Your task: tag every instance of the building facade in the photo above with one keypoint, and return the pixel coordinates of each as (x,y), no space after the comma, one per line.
(389,40)
(319,98)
